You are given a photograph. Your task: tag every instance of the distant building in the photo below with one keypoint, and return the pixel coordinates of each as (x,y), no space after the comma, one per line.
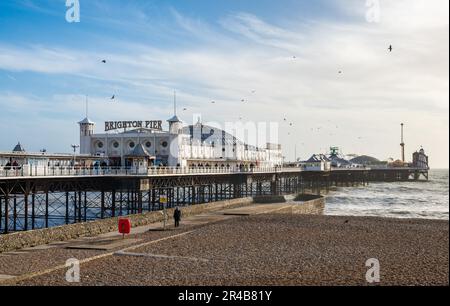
(420,160)
(317,162)
(18,157)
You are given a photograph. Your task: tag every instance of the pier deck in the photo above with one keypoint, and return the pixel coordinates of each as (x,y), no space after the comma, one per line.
(30,202)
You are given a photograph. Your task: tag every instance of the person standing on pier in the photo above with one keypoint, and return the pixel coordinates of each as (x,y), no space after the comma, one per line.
(177,216)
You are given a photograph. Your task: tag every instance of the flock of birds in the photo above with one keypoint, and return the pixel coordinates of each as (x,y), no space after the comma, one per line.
(285,120)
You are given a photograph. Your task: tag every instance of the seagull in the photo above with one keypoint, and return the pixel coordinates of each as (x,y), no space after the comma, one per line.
(340,71)
(213,102)
(185,109)
(243,100)
(253,91)
(390,48)
(113,97)
(104,61)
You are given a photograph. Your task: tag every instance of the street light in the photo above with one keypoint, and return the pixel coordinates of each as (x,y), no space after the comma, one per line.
(74,147)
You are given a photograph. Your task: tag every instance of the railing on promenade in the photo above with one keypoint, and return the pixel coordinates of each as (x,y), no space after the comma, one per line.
(43,171)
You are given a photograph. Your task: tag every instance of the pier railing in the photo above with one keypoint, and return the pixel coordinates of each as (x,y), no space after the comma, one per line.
(42,171)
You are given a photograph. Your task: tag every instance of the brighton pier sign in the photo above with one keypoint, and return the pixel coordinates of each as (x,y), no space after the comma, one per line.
(115,125)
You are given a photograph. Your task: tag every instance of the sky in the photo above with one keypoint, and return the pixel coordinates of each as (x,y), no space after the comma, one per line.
(322,65)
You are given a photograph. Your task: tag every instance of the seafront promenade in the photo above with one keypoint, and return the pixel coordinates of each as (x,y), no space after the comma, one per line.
(258,244)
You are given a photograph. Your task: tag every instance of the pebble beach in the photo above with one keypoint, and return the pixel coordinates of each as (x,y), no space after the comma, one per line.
(278,250)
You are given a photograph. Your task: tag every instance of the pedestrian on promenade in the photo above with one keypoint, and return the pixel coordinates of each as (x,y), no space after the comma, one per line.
(177,216)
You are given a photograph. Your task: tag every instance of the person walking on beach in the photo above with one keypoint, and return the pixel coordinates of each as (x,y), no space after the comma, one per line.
(177,216)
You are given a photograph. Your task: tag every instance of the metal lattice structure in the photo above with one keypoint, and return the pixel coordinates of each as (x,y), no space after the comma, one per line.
(42,202)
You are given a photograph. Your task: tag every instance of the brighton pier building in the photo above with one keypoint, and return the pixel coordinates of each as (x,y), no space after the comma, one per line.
(146,144)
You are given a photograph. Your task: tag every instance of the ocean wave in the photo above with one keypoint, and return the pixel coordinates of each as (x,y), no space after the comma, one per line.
(428,200)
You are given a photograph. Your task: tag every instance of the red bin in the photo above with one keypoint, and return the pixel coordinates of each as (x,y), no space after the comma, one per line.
(124,226)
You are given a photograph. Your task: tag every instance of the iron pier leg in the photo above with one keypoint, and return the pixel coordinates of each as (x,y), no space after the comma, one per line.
(113,204)
(26,211)
(33,207)
(6,214)
(15,213)
(102,208)
(67,208)
(46,209)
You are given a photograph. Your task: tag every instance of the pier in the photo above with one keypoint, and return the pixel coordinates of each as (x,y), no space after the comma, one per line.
(44,197)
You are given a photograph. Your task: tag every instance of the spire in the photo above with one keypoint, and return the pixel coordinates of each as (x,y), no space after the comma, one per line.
(87,107)
(86,120)
(175,103)
(175,117)
(18,148)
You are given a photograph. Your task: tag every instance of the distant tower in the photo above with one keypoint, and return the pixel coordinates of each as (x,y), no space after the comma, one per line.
(86,131)
(402,144)
(175,124)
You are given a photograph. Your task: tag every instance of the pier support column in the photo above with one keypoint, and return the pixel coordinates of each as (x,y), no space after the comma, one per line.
(6,214)
(14,213)
(67,208)
(46,209)
(1,212)
(25,199)
(113,203)
(33,208)
(102,207)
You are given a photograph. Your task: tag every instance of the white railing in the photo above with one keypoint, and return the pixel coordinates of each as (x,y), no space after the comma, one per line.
(43,171)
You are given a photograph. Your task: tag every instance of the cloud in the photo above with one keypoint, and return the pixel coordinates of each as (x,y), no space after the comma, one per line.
(227,60)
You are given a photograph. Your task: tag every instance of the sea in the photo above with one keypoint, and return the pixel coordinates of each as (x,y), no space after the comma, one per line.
(422,199)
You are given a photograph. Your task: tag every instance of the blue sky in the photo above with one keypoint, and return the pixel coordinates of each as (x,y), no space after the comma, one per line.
(223,51)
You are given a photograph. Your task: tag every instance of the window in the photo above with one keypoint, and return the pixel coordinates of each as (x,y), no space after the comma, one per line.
(164,144)
(115,144)
(132,144)
(148,144)
(100,144)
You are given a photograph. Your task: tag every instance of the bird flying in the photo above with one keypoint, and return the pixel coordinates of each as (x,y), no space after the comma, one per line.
(390,48)
(104,61)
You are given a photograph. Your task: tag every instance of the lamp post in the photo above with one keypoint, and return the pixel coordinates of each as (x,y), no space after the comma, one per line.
(74,147)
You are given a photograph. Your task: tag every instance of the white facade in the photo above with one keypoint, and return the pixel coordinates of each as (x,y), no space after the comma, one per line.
(180,146)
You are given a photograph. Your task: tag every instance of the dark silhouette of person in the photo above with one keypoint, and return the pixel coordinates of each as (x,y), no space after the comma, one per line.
(177,216)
